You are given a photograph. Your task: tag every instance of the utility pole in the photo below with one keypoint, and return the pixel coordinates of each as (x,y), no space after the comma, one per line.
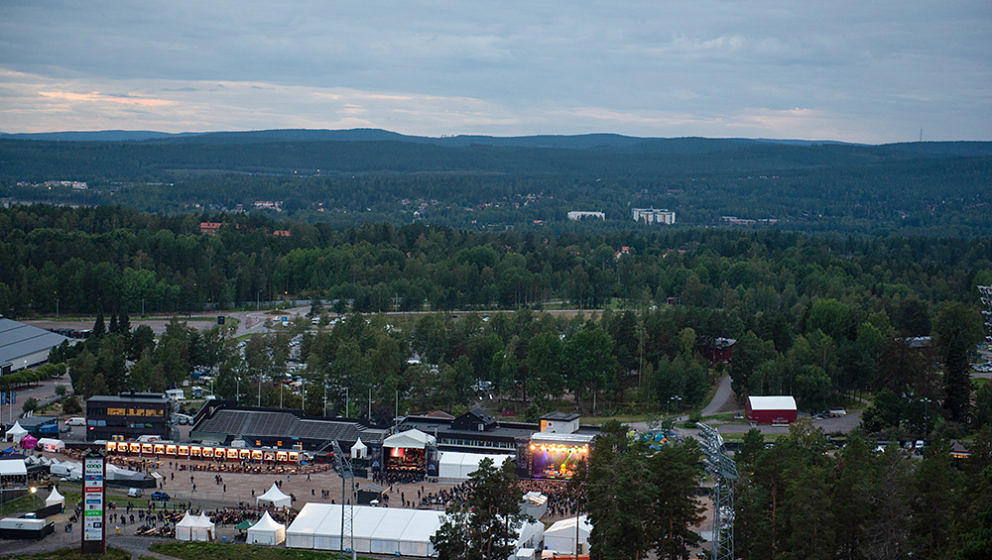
(370,403)
(346,401)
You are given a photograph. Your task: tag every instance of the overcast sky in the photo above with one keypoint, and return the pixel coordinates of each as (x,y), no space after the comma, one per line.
(862,71)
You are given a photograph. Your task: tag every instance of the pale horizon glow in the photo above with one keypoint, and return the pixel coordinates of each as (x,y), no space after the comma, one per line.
(849,71)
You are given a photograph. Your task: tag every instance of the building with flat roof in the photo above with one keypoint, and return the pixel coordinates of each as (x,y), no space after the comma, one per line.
(23,346)
(127,416)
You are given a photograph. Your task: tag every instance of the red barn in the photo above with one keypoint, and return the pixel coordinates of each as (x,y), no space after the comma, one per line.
(771,410)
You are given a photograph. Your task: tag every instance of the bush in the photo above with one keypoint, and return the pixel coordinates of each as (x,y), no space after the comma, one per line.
(30,404)
(71,405)
(60,390)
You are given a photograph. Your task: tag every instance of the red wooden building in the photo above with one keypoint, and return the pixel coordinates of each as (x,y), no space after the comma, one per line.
(771,410)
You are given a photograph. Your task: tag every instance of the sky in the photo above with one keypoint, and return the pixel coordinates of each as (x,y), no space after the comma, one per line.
(873,72)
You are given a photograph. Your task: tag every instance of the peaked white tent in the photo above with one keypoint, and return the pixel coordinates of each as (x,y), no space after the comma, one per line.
(274,497)
(184,529)
(16,433)
(266,531)
(54,498)
(359,450)
(560,537)
(410,439)
(204,529)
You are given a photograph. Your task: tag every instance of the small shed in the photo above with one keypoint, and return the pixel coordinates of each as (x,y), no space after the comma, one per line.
(771,409)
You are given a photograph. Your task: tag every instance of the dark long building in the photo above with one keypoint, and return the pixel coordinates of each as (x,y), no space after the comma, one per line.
(223,422)
(476,431)
(127,416)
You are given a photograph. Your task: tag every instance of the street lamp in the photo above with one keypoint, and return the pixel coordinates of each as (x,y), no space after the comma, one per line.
(675,398)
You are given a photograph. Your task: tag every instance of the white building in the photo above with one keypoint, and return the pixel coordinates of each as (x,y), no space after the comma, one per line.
(576,216)
(653,215)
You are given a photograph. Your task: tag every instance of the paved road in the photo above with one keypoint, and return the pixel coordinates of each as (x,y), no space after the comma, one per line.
(723,399)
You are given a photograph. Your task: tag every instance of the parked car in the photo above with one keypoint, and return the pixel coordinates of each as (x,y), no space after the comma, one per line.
(159,495)
(75,421)
(136,493)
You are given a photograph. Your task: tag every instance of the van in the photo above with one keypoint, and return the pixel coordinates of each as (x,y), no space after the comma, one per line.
(75,421)
(135,492)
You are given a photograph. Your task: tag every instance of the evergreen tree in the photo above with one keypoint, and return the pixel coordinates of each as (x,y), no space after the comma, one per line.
(98,327)
(957,329)
(485,526)
(124,323)
(113,329)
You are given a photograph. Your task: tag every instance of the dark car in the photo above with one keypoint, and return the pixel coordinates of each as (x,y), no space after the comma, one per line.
(160,496)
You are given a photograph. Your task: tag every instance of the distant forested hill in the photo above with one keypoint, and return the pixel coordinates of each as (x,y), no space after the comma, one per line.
(487,183)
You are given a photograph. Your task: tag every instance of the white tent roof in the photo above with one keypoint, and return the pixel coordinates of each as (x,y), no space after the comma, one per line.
(187,520)
(203,521)
(275,496)
(535,497)
(410,439)
(54,497)
(772,403)
(17,430)
(566,527)
(359,444)
(13,467)
(530,534)
(59,444)
(266,523)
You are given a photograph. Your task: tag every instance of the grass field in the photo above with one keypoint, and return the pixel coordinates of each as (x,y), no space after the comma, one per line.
(74,554)
(221,551)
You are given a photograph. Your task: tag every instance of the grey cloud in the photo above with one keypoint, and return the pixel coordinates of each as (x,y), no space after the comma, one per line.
(884,64)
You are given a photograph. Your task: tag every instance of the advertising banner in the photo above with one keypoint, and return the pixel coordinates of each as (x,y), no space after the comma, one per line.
(94,500)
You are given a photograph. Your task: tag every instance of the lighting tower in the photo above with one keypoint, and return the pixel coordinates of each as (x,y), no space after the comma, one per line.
(342,464)
(724,472)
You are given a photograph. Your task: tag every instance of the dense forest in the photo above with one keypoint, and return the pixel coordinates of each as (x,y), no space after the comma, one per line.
(489,184)
(823,317)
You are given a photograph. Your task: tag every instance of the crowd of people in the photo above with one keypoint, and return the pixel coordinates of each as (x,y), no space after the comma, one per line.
(562,499)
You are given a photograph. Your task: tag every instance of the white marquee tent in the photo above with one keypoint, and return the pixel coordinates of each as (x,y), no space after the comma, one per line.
(204,530)
(382,530)
(266,531)
(530,534)
(184,528)
(195,528)
(458,465)
(388,531)
(410,439)
(275,497)
(560,537)
(359,450)
(16,433)
(51,445)
(54,498)
(13,467)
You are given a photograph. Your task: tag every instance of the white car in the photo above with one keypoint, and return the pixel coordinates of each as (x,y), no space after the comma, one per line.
(75,421)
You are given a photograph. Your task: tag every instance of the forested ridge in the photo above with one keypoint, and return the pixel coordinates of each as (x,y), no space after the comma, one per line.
(112,258)
(925,188)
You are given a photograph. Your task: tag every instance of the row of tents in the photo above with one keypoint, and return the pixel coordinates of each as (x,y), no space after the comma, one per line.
(22,437)
(200,528)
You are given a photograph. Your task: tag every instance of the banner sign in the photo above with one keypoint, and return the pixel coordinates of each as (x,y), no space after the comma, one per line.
(94,500)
